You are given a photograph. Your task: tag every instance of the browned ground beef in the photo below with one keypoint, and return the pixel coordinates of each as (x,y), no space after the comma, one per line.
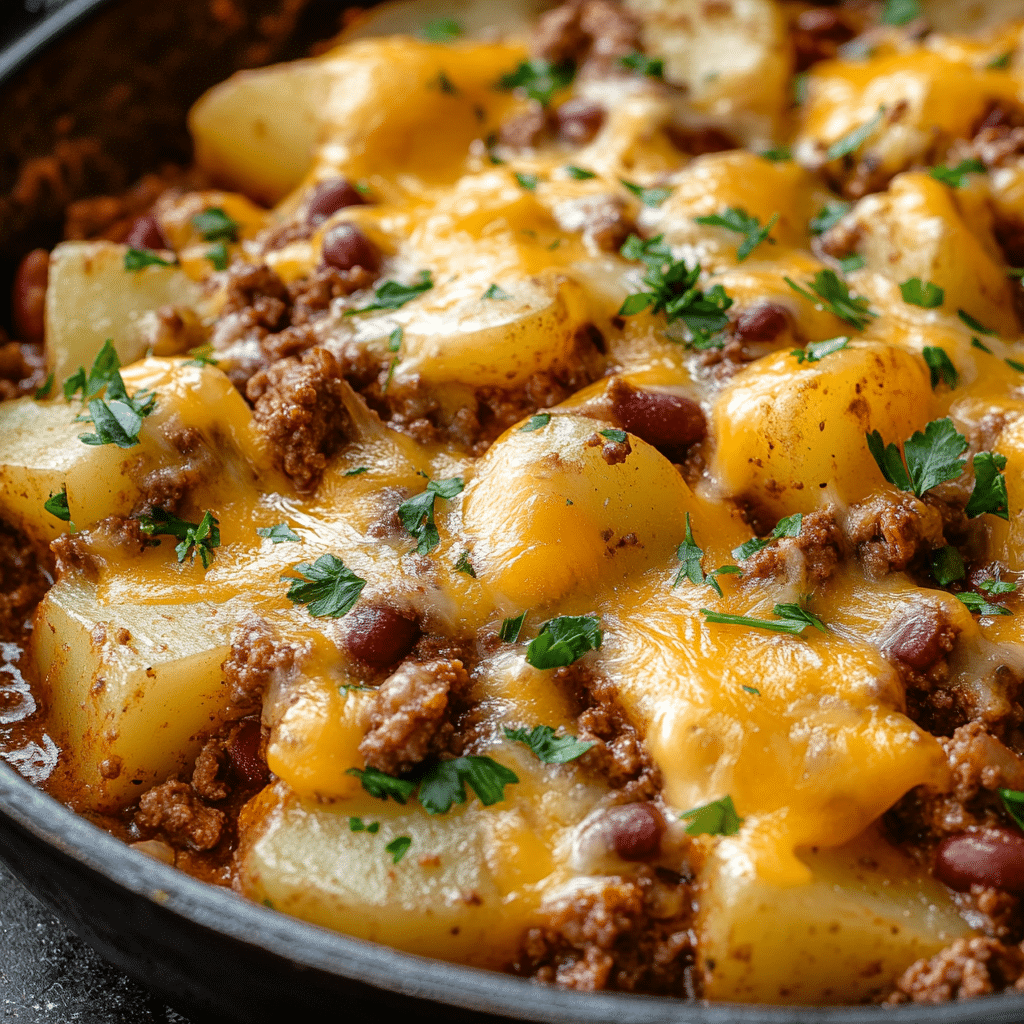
(175,811)
(969,967)
(811,558)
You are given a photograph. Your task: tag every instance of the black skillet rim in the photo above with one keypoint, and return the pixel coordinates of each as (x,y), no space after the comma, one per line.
(338,955)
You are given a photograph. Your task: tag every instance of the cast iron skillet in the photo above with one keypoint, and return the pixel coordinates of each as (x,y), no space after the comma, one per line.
(203,949)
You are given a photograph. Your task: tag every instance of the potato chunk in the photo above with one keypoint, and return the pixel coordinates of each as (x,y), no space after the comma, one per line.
(786,431)
(134,689)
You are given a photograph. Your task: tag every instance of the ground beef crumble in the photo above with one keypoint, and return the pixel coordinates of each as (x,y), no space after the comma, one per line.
(175,811)
(969,967)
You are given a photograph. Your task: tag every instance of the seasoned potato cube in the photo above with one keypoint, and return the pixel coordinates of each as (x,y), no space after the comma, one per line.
(134,689)
(91,297)
(786,431)
(862,914)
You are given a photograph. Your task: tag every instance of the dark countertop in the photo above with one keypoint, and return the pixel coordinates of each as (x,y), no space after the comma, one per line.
(49,976)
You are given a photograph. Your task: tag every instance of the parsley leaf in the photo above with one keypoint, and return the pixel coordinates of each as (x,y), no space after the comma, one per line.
(690,555)
(564,640)
(848,264)
(105,372)
(279,534)
(792,619)
(977,605)
(947,566)
(358,471)
(549,747)
(202,355)
(214,225)
(358,825)
(900,12)
(817,350)
(193,538)
(997,586)
(579,173)
(381,785)
(527,181)
(539,79)
(417,513)
(44,389)
(398,847)
(718,818)
(535,422)
(463,565)
(1014,365)
(940,366)
(828,216)
(441,30)
(852,141)
(328,588)
(117,421)
(511,628)
(955,177)
(788,527)
(978,343)
(777,154)
(834,295)
(925,294)
(652,67)
(444,783)
(652,197)
(1000,62)
(989,494)
(395,339)
(751,689)
(218,256)
(974,324)
(617,436)
(57,505)
(1013,801)
(737,219)
(494,292)
(932,457)
(137,259)
(393,295)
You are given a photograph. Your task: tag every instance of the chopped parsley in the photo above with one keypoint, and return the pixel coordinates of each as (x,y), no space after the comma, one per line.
(652,67)
(815,351)
(579,173)
(539,79)
(955,177)
(977,605)
(1014,365)
(445,84)
(792,619)
(547,745)
(751,689)
(737,219)
(777,154)
(974,324)
(1013,801)
(327,587)
(947,566)
(381,785)
(463,565)
(218,256)
(672,289)
(417,513)
(978,343)
(358,471)
(1000,62)
(989,494)
(535,422)
(202,355)
(527,181)
(691,556)
(279,534)
(925,294)
(138,259)
(395,339)
(788,527)
(444,783)
(828,216)
(494,292)
(564,640)
(932,457)
(358,825)
(996,586)
(441,30)
(848,264)
(193,538)
(44,389)
(511,628)
(718,818)
(652,197)
(834,295)
(940,367)
(104,372)
(852,141)
(398,847)
(393,295)
(214,225)
(617,436)
(57,505)
(900,12)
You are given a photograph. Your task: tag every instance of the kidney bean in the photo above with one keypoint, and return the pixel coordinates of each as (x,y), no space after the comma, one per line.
(634,831)
(763,322)
(379,636)
(331,196)
(145,233)
(917,638)
(345,247)
(579,120)
(244,751)
(669,422)
(993,857)
(28,298)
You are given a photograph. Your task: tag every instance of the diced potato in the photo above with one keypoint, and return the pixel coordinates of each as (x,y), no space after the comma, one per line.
(90,297)
(134,689)
(548,513)
(843,935)
(786,432)
(498,342)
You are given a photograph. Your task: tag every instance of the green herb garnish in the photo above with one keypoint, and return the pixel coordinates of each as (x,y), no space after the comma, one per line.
(547,745)
(564,640)
(327,587)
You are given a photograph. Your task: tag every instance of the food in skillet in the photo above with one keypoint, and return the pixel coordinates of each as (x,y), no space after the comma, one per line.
(550,498)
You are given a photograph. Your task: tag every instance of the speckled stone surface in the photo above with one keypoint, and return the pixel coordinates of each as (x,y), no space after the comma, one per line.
(48,976)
